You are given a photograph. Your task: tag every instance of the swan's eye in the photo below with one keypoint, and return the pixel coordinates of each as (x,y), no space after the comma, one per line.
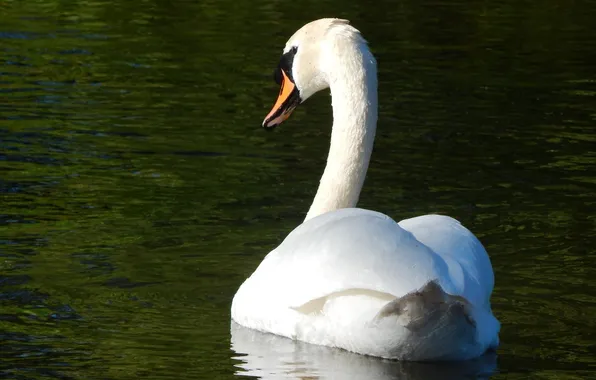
(285,63)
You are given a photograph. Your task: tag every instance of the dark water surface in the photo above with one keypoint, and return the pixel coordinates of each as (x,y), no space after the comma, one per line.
(138,190)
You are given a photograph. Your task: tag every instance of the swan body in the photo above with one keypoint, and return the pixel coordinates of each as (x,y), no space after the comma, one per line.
(352,278)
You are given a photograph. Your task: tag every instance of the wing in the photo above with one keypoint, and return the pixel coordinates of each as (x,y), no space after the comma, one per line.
(347,250)
(473,276)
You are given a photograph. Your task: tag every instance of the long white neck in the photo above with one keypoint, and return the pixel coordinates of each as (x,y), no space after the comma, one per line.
(352,77)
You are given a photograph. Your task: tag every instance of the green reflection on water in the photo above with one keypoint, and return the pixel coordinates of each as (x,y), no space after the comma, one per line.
(138,190)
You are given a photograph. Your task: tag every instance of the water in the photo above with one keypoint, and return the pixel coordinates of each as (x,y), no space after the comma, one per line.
(138,190)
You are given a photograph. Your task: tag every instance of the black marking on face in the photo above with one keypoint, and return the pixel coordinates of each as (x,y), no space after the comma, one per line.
(285,63)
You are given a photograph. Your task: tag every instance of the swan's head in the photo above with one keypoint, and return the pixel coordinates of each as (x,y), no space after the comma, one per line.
(306,62)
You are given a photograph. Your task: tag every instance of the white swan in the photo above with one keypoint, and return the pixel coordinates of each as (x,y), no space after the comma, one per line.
(352,278)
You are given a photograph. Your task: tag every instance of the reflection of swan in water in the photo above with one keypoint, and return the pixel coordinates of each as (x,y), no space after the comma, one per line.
(271,356)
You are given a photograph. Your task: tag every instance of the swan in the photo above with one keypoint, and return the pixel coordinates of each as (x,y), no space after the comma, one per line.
(354,279)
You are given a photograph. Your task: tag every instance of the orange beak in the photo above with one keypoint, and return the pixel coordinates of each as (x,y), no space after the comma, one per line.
(288,99)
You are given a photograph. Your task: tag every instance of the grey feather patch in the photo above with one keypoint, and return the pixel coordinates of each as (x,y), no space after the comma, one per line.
(426,306)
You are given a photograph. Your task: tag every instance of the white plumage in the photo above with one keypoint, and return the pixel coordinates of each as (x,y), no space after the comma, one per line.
(355,279)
